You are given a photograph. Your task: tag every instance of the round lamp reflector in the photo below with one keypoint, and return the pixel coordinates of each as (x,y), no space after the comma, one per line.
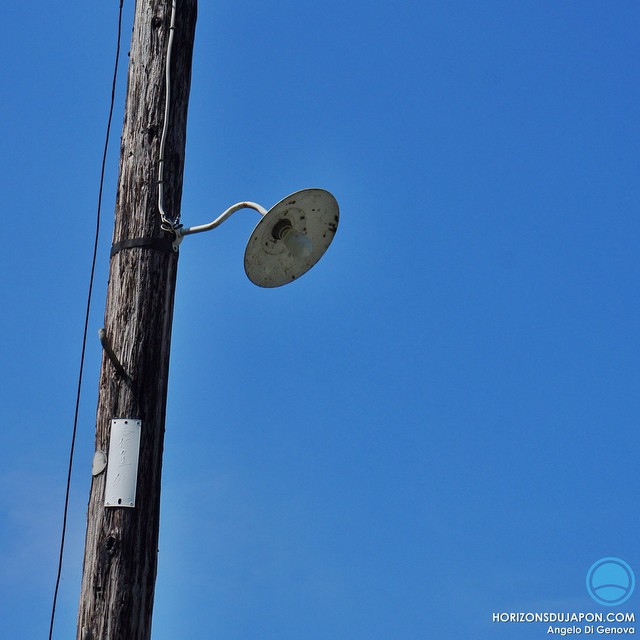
(308,217)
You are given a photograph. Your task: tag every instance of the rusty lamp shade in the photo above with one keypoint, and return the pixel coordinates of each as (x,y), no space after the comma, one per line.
(291,237)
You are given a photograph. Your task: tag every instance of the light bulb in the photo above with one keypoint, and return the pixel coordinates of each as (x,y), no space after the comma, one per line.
(298,243)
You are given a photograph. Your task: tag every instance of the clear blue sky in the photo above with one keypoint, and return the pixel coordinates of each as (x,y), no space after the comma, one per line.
(440,420)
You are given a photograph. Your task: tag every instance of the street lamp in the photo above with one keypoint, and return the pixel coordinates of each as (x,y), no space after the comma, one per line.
(289,239)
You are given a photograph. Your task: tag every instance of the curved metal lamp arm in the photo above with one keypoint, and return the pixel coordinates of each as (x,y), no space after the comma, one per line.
(181,232)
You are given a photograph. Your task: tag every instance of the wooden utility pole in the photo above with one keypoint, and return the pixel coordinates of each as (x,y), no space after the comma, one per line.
(122,542)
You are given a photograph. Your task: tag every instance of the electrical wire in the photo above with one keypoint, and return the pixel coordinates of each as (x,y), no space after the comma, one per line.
(86,320)
(168,223)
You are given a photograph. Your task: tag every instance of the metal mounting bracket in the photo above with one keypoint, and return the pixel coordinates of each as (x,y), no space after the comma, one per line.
(108,349)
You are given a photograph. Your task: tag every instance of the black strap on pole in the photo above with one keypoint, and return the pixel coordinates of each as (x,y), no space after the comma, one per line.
(159,244)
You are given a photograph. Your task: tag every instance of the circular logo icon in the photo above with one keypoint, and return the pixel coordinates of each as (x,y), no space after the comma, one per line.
(610,581)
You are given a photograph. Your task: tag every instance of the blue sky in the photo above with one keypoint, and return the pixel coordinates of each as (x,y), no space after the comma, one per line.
(440,420)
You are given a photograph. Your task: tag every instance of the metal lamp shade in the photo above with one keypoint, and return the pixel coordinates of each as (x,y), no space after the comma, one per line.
(312,212)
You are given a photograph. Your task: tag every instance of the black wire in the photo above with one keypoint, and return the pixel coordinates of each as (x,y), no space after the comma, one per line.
(86,320)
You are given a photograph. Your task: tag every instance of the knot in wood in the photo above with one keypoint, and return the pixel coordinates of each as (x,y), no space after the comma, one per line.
(111,544)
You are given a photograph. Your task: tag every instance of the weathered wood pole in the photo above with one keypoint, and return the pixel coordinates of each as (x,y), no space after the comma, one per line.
(121,549)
